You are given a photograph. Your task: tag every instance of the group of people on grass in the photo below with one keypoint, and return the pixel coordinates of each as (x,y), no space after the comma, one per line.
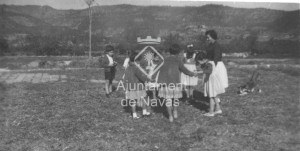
(177,74)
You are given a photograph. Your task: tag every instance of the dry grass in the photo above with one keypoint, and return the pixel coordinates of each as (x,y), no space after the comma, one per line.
(75,116)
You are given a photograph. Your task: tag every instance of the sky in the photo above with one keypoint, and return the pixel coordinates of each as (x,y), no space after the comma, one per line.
(286,5)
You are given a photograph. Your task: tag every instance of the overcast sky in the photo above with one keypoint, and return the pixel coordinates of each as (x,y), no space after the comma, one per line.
(80,4)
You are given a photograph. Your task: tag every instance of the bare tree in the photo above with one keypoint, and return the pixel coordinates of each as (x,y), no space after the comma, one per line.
(90,3)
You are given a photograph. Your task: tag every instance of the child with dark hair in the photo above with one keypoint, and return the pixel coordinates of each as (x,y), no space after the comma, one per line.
(135,87)
(109,66)
(212,85)
(212,33)
(189,62)
(169,80)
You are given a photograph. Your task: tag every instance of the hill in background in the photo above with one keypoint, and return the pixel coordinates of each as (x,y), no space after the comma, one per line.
(124,23)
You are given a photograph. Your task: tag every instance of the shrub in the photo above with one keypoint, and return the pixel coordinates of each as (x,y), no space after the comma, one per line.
(3,46)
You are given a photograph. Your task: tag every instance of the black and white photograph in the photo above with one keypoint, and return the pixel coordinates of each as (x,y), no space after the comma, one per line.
(149,75)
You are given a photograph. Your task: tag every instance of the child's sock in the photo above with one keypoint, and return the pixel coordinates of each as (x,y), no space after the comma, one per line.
(145,112)
(134,115)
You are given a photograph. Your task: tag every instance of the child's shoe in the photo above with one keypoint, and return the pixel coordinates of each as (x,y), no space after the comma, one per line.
(134,116)
(209,114)
(218,112)
(171,119)
(147,114)
(175,114)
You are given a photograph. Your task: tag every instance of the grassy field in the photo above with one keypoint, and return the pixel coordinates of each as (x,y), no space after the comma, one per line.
(76,116)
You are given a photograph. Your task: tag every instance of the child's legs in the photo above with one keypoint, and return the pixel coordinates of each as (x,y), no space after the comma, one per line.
(191,90)
(211,104)
(147,102)
(154,93)
(107,87)
(175,107)
(187,91)
(132,103)
(110,85)
(143,105)
(169,108)
(217,101)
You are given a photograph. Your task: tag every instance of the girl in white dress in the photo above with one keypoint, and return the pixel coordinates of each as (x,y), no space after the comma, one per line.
(188,81)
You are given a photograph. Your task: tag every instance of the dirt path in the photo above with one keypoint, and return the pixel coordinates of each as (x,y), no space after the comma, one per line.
(10,77)
(14,77)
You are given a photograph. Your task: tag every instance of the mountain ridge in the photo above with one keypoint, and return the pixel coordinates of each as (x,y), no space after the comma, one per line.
(145,19)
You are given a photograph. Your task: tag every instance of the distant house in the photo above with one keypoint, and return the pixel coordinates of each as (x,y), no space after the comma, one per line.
(160,18)
(138,19)
(16,36)
(163,32)
(263,37)
(286,36)
(228,37)
(203,28)
(246,35)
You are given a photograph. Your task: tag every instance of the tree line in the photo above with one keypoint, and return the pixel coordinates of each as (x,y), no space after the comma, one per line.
(78,45)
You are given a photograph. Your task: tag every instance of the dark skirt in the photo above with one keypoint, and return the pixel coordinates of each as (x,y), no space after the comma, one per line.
(109,73)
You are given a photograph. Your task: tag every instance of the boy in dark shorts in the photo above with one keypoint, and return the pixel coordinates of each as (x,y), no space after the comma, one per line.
(109,66)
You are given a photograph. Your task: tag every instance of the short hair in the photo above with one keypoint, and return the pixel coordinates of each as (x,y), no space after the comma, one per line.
(174,49)
(212,33)
(132,56)
(201,55)
(109,48)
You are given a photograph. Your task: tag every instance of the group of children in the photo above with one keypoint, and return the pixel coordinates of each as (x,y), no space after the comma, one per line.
(175,75)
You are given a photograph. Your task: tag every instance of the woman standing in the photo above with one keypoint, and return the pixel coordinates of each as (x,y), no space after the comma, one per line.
(214,53)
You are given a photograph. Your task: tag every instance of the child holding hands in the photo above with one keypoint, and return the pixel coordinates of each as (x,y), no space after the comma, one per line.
(169,80)
(212,85)
(135,87)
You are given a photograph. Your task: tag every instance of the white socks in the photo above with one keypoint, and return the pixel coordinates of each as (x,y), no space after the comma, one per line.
(134,115)
(145,112)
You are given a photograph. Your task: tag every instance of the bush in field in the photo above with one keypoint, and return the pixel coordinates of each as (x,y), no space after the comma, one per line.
(279,47)
(76,45)
(240,44)
(273,46)
(172,39)
(123,48)
(3,46)
(50,46)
